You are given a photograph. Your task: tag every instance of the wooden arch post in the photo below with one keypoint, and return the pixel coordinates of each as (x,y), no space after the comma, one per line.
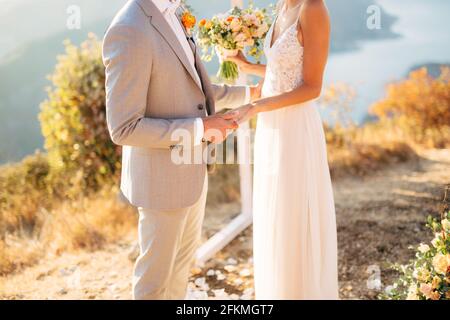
(244,219)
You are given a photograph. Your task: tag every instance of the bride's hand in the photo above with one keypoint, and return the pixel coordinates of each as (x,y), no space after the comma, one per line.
(255,91)
(244,113)
(240,60)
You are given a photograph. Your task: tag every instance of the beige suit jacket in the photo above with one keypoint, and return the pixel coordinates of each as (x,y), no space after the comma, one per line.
(151,93)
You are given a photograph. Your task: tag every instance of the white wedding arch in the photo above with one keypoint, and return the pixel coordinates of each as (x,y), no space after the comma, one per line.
(244,219)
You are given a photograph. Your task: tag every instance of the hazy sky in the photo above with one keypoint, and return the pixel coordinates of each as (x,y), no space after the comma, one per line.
(25,20)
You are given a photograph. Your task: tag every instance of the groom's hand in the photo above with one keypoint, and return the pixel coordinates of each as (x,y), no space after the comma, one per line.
(219,126)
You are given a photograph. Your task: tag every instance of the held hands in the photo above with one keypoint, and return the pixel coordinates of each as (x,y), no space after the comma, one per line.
(248,111)
(219,126)
(243,113)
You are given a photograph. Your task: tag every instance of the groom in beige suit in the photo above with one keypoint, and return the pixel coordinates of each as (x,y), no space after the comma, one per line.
(156,86)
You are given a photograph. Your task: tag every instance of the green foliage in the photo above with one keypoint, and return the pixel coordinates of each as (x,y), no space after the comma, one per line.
(23,189)
(73,118)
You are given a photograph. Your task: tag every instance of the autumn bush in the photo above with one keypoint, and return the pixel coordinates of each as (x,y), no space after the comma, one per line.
(73,117)
(354,149)
(419,108)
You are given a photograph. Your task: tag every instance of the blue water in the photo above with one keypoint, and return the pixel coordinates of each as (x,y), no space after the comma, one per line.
(424,28)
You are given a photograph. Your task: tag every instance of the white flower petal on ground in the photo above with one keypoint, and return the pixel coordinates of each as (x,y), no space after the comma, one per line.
(201,283)
(230,268)
(221,277)
(245,273)
(194,294)
(220,293)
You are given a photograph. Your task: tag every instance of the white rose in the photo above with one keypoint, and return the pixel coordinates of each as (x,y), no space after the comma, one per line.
(412,293)
(423,248)
(436,240)
(446,224)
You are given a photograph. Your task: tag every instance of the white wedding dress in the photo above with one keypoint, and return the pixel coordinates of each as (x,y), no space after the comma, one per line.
(295,243)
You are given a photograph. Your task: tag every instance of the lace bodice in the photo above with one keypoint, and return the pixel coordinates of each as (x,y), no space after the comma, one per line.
(284,62)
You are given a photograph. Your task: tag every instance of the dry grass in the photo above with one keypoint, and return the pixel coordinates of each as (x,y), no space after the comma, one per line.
(43,224)
(363,150)
(84,224)
(17,253)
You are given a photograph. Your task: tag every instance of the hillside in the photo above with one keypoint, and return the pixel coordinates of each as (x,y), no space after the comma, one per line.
(28,57)
(379,217)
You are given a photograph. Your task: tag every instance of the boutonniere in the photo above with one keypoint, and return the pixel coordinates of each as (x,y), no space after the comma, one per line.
(188,20)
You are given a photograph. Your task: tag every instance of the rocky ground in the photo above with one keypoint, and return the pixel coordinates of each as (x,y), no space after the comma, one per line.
(379,217)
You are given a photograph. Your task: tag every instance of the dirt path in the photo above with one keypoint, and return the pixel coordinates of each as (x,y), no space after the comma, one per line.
(379,216)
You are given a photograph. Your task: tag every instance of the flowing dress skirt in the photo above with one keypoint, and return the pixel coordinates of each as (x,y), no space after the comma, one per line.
(295,243)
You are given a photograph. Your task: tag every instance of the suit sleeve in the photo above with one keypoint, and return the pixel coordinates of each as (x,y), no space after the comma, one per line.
(127,56)
(229,96)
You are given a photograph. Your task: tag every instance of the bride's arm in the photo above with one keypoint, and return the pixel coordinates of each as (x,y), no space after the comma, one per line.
(315,24)
(246,66)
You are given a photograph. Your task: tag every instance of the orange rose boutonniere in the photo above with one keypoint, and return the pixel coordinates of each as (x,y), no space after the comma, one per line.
(188,20)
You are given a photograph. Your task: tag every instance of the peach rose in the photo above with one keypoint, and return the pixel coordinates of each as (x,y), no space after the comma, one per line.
(428,291)
(441,263)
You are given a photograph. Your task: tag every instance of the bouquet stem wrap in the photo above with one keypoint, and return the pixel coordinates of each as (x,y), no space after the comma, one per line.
(228,70)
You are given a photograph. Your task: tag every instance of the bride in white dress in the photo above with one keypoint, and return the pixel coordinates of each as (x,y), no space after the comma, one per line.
(295,243)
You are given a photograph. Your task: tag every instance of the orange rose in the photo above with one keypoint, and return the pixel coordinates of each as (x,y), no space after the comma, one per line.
(230,18)
(202,22)
(188,20)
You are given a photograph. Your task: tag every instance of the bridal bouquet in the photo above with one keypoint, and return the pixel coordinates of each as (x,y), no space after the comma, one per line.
(226,34)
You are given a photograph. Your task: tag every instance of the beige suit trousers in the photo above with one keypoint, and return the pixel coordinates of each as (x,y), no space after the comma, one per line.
(168,241)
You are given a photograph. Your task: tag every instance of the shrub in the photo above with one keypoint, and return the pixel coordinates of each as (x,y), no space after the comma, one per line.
(23,190)
(356,149)
(73,117)
(419,106)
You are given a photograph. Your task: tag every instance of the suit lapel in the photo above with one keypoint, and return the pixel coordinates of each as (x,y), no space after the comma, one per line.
(206,84)
(161,25)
